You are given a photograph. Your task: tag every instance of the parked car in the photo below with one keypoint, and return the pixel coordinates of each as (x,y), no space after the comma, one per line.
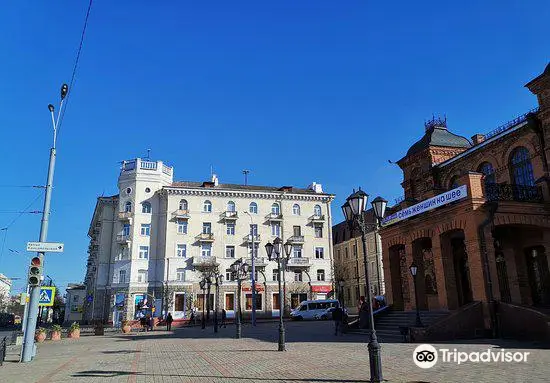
(7,320)
(327,314)
(313,310)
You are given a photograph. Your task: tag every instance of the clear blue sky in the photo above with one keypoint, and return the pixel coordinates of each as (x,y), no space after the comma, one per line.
(296,91)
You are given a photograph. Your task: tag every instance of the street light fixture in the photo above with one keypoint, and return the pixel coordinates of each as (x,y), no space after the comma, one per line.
(239,270)
(218,280)
(272,249)
(202,285)
(353,210)
(414,270)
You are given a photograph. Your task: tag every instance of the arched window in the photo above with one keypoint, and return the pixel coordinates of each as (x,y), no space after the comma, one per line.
(486,168)
(253,207)
(296,209)
(317,211)
(207,207)
(128,207)
(275,209)
(146,207)
(231,206)
(453,183)
(183,205)
(521,167)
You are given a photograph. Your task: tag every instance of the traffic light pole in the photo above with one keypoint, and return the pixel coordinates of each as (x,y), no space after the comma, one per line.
(32,315)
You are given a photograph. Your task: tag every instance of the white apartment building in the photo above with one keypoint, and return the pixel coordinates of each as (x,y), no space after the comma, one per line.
(5,290)
(147,242)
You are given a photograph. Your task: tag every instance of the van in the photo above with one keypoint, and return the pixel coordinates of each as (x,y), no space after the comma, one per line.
(313,310)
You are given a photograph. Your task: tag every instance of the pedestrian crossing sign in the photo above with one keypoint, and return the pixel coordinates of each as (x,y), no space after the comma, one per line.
(47,296)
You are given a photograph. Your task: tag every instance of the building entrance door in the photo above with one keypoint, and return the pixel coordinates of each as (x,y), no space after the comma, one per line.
(539,275)
(462,274)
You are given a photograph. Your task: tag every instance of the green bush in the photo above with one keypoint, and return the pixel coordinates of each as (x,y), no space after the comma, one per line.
(75,326)
(56,328)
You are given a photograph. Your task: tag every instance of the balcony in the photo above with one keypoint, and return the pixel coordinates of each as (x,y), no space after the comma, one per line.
(302,262)
(124,216)
(248,239)
(123,239)
(204,263)
(317,218)
(181,214)
(272,217)
(296,239)
(518,193)
(229,215)
(258,262)
(205,237)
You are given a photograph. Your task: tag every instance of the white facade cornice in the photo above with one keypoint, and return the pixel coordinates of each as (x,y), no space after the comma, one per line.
(246,194)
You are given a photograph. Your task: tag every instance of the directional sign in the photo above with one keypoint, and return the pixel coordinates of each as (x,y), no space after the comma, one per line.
(47,296)
(52,247)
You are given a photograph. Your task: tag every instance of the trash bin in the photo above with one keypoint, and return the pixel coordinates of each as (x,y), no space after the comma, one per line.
(99,329)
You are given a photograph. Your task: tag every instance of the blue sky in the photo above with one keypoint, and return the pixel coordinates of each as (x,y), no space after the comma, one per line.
(296,91)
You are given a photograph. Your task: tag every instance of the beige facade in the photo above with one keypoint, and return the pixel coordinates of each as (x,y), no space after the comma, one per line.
(349,264)
(151,237)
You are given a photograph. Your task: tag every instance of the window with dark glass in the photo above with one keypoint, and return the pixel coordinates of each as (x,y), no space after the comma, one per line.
(488,171)
(521,167)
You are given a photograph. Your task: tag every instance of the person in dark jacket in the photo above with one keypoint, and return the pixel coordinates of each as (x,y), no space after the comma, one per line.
(224,317)
(337,316)
(169,321)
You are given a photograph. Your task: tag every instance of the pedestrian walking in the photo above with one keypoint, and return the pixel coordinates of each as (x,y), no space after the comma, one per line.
(224,317)
(337,316)
(169,321)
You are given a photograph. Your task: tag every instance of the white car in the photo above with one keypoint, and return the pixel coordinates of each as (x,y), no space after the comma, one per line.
(314,310)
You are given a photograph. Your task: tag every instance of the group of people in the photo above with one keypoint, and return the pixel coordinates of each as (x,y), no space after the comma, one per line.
(170,319)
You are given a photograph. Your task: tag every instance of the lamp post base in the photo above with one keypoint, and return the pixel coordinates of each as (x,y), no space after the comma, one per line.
(375,360)
(281,338)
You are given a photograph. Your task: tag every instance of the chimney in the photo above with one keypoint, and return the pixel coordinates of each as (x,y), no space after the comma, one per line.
(317,188)
(478,138)
(215,179)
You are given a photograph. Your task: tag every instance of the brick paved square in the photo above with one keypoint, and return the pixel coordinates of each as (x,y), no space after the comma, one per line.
(313,354)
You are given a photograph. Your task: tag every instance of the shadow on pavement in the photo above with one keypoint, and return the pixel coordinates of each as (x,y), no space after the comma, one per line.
(120,351)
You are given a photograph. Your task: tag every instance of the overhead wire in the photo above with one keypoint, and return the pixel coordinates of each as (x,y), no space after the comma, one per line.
(75,67)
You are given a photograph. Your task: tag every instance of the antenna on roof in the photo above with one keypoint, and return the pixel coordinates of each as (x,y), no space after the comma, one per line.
(211,171)
(245,172)
(148,154)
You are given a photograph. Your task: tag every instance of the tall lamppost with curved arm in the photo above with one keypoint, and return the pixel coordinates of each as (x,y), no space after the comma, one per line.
(253,236)
(276,248)
(239,270)
(354,210)
(202,285)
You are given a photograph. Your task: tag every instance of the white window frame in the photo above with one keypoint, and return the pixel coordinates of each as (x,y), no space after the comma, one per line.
(296,210)
(145,229)
(276,209)
(234,300)
(122,276)
(317,211)
(277,232)
(261,295)
(183,205)
(207,206)
(227,247)
(143,252)
(180,271)
(182,226)
(322,252)
(253,208)
(128,207)
(142,273)
(301,274)
(206,250)
(297,251)
(146,208)
(231,206)
(230,228)
(275,275)
(207,225)
(315,226)
(324,275)
(126,229)
(181,250)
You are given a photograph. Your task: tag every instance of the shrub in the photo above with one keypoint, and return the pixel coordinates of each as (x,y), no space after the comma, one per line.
(56,328)
(74,326)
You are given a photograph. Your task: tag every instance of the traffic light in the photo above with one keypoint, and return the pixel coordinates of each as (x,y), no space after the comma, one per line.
(35,271)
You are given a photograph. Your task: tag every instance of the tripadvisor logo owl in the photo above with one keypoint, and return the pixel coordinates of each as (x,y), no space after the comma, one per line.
(425,356)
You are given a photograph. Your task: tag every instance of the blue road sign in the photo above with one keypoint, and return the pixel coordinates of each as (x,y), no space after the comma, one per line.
(47,296)
(90,298)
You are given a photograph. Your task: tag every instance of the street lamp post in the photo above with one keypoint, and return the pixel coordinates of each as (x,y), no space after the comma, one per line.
(353,210)
(202,285)
(277,248)
(253,264)
(414,269)
(239,270)
(218,280)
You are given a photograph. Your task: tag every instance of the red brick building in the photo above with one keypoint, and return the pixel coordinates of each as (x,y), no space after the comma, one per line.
(475,220)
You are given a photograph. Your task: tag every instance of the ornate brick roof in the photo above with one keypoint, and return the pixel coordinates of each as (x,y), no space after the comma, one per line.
(438,135)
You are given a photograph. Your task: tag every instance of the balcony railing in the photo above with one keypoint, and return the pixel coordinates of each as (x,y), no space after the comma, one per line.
(299,262)
(296,239)
(507,192)
(181,213)
(204,262)
(124,215)
(123,238)
(230,215)
(258,262)
(248,239)
(274,217)
(317,218)
(205,237)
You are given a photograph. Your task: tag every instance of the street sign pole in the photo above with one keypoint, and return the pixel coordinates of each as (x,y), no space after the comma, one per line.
(30,328)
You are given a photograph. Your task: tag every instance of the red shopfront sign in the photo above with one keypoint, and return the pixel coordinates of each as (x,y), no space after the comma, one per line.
(249,288)
(321,289)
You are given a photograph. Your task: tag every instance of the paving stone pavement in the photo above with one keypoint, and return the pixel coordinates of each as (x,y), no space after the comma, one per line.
(313,354)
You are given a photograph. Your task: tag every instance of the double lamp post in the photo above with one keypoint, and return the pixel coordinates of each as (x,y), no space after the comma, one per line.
(354,211)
